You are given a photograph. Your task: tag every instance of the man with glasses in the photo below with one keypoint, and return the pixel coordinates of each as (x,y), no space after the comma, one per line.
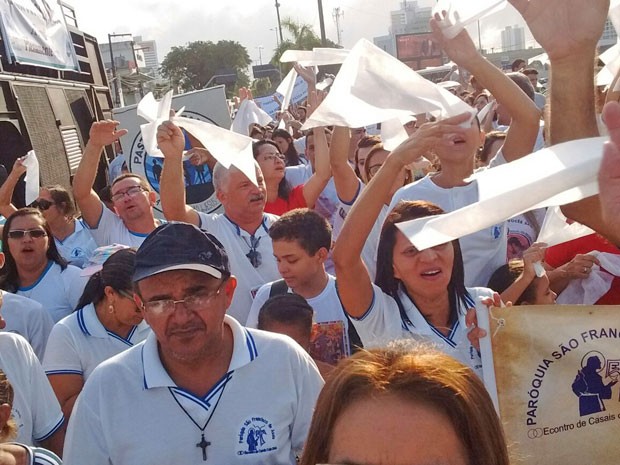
(131,195)
(201,388)
(242,229)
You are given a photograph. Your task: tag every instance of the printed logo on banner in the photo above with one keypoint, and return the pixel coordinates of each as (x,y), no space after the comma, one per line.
(590,387)
(199,190)
(256,436)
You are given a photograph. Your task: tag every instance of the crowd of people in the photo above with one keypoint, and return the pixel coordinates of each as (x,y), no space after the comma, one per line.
(298,324)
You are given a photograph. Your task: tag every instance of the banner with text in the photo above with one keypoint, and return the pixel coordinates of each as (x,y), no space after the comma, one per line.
(35,33)
(556,371)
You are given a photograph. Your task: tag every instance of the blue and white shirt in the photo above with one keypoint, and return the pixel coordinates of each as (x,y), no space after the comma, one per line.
(384,323)
(110,229)
(78,246)
(258,413)
(79,342)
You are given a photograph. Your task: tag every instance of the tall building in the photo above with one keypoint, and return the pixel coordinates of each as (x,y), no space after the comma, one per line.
(149,49)
(513,38)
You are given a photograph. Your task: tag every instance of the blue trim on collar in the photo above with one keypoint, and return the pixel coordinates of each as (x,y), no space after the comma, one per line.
(122,339)
(204,402)
(249,340)
(50,263)
(238,228)
(52,431)
(82,322)
(143,368)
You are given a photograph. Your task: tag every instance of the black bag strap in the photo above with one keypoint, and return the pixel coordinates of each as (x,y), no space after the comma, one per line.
(278,287)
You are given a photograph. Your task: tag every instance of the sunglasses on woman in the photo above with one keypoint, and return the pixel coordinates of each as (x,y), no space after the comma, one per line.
(35,233)
(41,204)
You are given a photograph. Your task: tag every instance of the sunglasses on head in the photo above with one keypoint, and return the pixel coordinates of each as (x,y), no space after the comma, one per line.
(35,233)
(41,204)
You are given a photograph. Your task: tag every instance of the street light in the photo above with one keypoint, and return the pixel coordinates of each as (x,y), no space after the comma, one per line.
(260,55)
(275,29)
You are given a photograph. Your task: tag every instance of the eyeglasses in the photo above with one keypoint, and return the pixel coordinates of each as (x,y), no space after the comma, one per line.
(129,192)
(374,169)
(35,233)
(274,157)
(193,303)
(42,204)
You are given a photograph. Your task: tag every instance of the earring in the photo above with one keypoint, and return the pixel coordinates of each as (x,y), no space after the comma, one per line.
(110,308)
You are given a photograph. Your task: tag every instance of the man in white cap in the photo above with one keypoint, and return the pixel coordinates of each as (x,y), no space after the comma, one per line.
(202,387)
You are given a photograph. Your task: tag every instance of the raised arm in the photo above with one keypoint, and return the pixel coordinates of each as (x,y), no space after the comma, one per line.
(609,175)
(8,187)
(171,142)
(525,116)
(569,31)
(346,181)
(102,133)
(354,283)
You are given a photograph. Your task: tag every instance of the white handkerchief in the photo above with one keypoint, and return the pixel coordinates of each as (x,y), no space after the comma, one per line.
(393,132)
(460,13)
(552,176)
(286,88)
(315,57)
(248,113)
(556,230)
(228,148)
(587,291)
(373,86)
(31,163)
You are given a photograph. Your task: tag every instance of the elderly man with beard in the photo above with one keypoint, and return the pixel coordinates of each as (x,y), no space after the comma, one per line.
(242,229)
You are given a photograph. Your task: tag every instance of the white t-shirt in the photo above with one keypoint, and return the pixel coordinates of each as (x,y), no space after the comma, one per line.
(326,305)
(35,407)
(78,246)
(110,229)
(131,412)
(27,318)
(79,342)
(483,251)
(382,324)
(57,290)
(237,244)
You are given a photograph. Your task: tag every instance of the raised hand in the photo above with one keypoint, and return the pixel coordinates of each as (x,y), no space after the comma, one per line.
(103,133)
(170,139)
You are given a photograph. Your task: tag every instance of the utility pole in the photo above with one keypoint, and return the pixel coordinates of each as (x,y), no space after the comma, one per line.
(337,14)
(260,54)
(279,23)
(114,80)
(322,24)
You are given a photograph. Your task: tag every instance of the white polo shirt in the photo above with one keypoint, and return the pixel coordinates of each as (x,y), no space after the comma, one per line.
(110,229)
(79,342)
(130,412)
(237,242)
(27,318)
(35,407)
(78,246)
(483,251)
(383,324)
(56,289)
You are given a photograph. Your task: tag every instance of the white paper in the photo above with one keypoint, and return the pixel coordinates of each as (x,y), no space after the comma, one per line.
(315,57)
(543,58)
(460,13)
(486,355)
(482,114)
(556,230)
(611,58)
(358,96)
(552,176)
(31,163)
(286,88)
(228,148)
(248,113)
(393,132)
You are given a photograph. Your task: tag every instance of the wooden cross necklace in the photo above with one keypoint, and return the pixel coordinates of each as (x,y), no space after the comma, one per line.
(203,444)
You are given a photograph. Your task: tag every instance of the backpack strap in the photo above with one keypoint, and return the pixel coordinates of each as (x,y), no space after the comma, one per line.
(278,287)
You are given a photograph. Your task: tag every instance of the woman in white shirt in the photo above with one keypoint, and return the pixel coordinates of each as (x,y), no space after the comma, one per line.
(106,322)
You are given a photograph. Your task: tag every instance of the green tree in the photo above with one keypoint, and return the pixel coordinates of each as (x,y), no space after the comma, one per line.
(191,67)
(300,37)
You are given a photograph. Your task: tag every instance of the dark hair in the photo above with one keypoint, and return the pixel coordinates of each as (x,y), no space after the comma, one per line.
(308,228)
(292,157)
(9,276)
(364,143)
(290,309)
(385,279)
(517,64)
(506,275)
(143,182)
(117,272)
(419,376)
(284,187)
(524,83)
(63,199)
(489,139)
(530,71)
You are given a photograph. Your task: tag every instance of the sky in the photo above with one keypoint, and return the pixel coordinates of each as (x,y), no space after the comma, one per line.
(253,23)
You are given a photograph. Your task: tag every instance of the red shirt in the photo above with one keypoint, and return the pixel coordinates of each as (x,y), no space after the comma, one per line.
(295,200)
(560,254)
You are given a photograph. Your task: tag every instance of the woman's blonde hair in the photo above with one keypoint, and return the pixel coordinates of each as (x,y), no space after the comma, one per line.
(9,430)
